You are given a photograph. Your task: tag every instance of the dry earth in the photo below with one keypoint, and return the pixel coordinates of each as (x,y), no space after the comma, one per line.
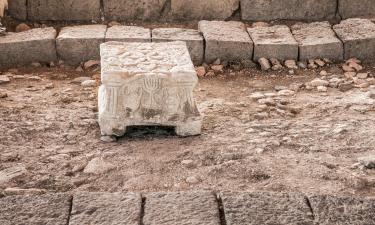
(308,142)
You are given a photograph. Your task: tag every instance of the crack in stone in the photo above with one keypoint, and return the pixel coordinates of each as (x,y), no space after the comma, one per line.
(142,214)
(223,220)
(310,207)
(70,210)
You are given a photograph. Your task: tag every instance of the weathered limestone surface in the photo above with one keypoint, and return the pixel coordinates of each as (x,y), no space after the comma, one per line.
(207,9)
(318,40)
(36,45)
(32,210)
(106,208)
(330,210)
(63,10)
(147,84)
(358,36)
(133,9)
(128,33)
(194,40)
(256,208)
(80,43)
(226,41)
(17,9)
(260,10)
(274,42)
(356,8)
(193,208)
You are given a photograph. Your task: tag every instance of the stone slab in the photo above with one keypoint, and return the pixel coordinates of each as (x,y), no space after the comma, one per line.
(106,208)
(147,84)
(57,10)
(358,36)
(274,42)
(261,10)
(207,9)
(331,210)
(35,45)
(34,210)
(129,10)
(254,208)
(356,8)
(128,34)
(193,38)
(318,41)
(226,41)
(193,208)
(78,44)
(17,9)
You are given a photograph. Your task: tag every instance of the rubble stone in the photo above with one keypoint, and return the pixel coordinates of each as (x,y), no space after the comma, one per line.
(78,44)
(274,42)
(193,208)
(358,36)
(128,33)
(194,40)
(226,41)
(36,45)
(318,40)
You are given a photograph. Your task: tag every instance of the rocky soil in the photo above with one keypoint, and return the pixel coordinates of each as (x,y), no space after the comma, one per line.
(285,130)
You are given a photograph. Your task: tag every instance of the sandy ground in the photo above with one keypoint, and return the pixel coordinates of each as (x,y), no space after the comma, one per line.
(307,142)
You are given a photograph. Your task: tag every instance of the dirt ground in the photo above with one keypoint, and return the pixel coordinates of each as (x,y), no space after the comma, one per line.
(306,142)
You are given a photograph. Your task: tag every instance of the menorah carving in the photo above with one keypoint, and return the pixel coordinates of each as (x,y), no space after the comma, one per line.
(147,84)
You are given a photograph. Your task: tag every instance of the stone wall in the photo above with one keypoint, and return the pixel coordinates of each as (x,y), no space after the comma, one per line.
(180,10)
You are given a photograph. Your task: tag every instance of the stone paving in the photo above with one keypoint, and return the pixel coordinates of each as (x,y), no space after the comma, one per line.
(193,208)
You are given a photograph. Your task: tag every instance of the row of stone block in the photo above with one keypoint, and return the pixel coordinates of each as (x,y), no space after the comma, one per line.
(254,10)
(194,208)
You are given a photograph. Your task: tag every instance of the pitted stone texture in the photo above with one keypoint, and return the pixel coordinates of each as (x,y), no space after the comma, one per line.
(358,36)
(207,9)
(34,210)
(128,34)
(71,10)
(318,41)
(331,210)
(261,10)
(17,9)
(80,43)
(147,84)
(274,42)
(122,10)
(356,8)
(266,208)
(194,40)
(226,41)
(193,208)
(106,208)
(36,45)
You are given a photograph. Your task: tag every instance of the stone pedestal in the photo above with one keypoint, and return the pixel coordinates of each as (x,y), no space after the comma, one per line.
(148,84)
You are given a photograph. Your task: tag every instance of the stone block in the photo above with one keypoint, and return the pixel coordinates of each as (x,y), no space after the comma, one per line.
(254,208)
(106,208)
(261,10)
(80,43)
(147,84)
(57,10)
(123,10)
(17,9)
(29,209)
(193,208)
(128,34)
(35,45)
(226,41)
(358,36)
(274,42)
(208,9)
(331,210)
(193,38)
(356,8)
(318,41)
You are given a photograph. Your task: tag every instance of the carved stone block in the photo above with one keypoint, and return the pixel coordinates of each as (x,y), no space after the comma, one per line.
(147,84)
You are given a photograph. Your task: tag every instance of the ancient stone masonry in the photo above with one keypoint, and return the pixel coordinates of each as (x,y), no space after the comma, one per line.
(356,8)
(128,33)
(17,8)
(147,84)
